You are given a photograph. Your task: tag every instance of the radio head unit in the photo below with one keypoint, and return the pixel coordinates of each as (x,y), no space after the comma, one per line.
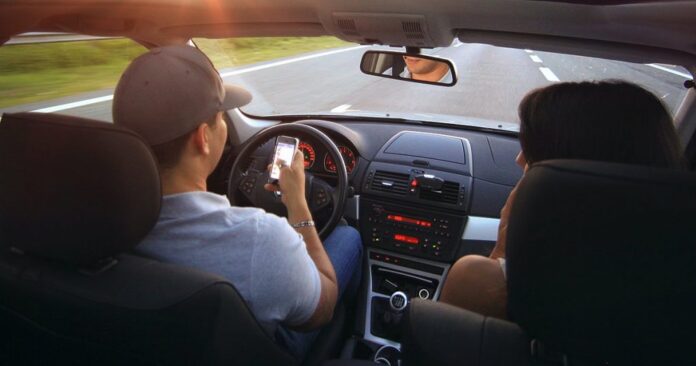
(423,233)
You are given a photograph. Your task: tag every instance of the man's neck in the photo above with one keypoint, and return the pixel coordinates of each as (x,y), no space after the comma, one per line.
(182,181)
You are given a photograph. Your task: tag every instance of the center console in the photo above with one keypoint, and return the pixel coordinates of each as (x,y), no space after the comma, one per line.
(412,213)
(401,275)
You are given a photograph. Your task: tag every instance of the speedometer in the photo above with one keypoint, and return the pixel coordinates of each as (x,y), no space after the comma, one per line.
(348,158)
(309,155)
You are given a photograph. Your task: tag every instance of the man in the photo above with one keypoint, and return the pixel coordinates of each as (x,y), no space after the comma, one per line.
(175,99)
(418,68)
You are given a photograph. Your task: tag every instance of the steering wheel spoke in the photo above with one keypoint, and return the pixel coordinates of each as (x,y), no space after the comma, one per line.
(321,195)
(248,184)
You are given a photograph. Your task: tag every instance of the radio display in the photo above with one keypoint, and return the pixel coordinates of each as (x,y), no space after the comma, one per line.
(409,220)
(406,239)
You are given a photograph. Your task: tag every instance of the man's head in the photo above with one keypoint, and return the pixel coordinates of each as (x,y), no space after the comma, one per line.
(425,69)
(173,97)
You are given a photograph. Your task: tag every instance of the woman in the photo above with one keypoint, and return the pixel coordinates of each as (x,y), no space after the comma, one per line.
(611,121)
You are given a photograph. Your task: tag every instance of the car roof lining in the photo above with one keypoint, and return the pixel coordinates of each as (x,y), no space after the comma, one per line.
(643,31)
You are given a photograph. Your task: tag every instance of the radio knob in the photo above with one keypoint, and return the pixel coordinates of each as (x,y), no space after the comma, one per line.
(424,293)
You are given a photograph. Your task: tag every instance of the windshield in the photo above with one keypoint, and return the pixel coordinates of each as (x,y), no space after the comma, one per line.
(313,76)
(491,81)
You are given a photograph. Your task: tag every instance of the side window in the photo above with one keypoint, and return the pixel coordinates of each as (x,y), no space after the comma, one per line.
(63,73)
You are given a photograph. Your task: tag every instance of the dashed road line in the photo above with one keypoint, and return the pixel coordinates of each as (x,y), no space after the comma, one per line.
(675,72)
(528,51)
(548,74)
(341,108)
(536,59)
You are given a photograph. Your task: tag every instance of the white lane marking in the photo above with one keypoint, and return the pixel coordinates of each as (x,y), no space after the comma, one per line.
(535,58)
(528,51)
(548,74)
(285,62)
(82,103)
(341,108)
(675,72)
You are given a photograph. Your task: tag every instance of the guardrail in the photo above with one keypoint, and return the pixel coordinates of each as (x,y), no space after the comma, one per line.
(45,37)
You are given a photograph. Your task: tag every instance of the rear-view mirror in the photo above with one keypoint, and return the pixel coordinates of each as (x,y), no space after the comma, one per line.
(409,67)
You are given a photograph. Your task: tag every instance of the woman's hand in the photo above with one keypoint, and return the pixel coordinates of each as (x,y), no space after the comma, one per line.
(499,249)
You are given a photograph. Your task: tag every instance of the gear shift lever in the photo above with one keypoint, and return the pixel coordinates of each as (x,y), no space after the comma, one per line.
(397,303)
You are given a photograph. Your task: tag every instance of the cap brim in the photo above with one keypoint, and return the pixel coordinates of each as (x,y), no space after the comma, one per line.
(235,97)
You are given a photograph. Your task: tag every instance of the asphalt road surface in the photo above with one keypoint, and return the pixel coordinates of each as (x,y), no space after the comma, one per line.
(491,82)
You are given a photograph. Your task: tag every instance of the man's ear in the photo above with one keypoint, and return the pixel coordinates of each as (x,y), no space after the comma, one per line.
(200,139)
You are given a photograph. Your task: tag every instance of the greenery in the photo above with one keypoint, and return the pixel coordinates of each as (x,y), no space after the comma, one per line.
(35,72)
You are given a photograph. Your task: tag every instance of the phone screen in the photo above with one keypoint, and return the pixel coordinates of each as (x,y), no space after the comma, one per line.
(282,157)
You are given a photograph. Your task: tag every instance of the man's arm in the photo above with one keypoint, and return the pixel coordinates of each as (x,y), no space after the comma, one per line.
(292,187)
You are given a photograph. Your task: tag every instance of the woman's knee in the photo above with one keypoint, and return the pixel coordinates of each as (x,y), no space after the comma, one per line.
(476,283)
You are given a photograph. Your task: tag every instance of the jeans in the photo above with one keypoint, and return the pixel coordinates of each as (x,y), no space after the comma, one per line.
(344,249)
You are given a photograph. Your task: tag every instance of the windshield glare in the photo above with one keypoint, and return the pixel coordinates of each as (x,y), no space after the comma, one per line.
(491,83)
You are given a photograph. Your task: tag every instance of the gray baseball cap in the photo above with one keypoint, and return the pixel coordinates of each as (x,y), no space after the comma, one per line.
(169,91)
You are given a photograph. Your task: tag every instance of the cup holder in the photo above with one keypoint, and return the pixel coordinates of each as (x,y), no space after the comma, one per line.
(387,355)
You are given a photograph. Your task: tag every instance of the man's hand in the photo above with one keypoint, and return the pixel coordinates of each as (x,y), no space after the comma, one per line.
(291,184)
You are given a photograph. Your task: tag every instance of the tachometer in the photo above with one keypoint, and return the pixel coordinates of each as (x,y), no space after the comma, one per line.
(309,155)
(348,158)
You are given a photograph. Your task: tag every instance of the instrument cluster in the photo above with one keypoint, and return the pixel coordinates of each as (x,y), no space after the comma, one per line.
(318,160)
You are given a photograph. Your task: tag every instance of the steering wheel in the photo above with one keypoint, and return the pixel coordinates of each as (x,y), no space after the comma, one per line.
(248,181)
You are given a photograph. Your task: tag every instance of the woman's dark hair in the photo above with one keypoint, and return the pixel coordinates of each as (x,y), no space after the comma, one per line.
(612,121)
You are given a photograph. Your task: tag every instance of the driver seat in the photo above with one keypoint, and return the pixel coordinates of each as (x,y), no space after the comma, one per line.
(76,196)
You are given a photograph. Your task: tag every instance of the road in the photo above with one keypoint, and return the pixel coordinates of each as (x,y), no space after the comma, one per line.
(491,83)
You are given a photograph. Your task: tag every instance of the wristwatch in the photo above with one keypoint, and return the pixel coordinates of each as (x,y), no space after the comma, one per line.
(304,223)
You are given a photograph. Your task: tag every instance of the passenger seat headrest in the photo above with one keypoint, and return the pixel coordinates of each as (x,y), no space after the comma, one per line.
(73,189)
(601,260)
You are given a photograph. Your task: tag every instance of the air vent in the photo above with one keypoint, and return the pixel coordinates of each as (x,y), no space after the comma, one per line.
(347,26)
(449,194)
(395,183)
(411,27)
(412,30)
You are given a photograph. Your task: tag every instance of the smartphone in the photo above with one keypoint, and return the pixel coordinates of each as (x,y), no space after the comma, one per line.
(283,154)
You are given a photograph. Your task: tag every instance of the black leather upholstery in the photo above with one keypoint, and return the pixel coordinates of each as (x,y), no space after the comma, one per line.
(72,192)
(441,334)
(72,189)
(601,261)
(139,312)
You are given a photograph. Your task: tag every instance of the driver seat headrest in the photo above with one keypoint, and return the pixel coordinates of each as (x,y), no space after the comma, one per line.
(72,189)
(601,261)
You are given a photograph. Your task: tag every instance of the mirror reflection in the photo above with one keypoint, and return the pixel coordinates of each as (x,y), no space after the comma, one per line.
(408,67)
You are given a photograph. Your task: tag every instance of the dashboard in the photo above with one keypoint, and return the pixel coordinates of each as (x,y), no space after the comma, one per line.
(452,178)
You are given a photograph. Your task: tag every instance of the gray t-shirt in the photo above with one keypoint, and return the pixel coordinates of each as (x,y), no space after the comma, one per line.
(260,253)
